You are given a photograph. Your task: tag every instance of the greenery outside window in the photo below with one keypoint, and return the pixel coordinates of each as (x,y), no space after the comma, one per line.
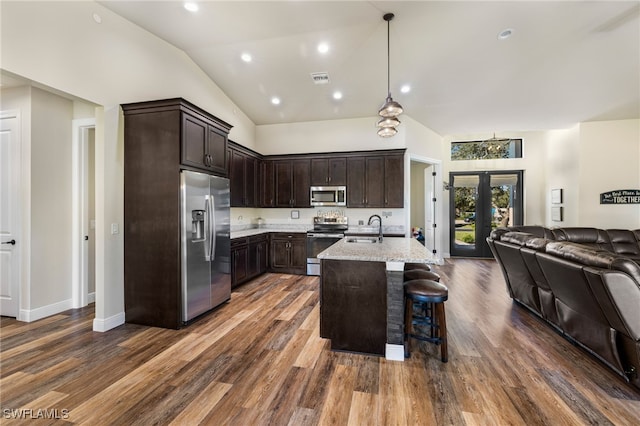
(489,149)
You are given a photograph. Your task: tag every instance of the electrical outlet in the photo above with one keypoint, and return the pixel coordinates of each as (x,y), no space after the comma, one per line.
(361,222)
(386,214)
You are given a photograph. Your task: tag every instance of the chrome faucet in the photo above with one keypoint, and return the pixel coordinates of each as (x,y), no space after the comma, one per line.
(371,218)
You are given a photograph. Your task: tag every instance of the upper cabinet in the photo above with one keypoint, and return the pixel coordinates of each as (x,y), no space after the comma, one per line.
(267,191)
(243,176)
(203,145)
(375,181)
(291,183)
(329,171)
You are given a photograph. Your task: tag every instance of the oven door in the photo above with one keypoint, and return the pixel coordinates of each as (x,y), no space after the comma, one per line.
(316,243)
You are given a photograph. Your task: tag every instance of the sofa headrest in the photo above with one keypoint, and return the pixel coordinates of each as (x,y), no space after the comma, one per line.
(624,241)
(517,238)
(582,235)
(537,244)
(538,231)
(497,233)
(578,253)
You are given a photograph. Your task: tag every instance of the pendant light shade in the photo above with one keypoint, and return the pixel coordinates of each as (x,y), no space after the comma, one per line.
(388,122)
(391,109)
(386,132)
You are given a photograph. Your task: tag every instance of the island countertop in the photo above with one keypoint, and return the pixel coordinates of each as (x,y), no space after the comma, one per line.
(391,249)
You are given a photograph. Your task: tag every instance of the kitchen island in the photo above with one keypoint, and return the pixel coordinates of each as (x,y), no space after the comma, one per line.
(361,294)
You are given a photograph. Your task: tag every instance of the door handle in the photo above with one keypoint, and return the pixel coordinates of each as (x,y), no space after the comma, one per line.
(86,238)
(12,242)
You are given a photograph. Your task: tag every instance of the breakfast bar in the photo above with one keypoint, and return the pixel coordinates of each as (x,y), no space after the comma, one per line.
(361,293)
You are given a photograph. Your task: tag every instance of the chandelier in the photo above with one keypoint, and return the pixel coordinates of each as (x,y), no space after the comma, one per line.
(391,109)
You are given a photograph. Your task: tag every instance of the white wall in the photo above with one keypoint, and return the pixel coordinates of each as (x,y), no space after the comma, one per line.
(51,215)
(608,156)
(357,134)
(562,172)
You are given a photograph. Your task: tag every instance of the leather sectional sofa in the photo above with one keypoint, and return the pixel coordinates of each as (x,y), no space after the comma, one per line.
(585,282)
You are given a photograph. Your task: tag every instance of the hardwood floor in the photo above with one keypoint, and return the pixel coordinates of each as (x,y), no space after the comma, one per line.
(258,360)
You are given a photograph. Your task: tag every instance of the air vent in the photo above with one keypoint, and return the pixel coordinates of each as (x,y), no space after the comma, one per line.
(320,77)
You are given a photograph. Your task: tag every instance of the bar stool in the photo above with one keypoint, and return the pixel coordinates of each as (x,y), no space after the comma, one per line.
(421,274)
(412,266)
(428,297)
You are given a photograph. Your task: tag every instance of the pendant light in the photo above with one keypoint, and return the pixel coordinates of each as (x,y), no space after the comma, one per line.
(391,109)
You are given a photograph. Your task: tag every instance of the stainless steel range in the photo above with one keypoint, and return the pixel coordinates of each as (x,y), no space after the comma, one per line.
(326,232)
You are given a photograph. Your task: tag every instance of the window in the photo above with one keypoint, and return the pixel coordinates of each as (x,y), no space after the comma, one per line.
(490,149)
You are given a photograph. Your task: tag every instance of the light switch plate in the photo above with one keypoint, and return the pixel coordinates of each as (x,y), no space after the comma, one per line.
(114,228)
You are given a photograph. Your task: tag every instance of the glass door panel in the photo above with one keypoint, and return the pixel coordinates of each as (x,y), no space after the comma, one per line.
(481,202)
(465,196)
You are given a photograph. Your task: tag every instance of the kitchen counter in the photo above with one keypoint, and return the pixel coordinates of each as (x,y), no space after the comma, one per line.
(362,294)
(391,249)
(271,228)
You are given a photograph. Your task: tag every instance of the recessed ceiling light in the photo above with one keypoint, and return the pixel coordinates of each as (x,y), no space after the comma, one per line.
(505,34)
(323,48)
(337,95)
(275,100)
(97,18)
(405,88)
(191,6)
(246,57)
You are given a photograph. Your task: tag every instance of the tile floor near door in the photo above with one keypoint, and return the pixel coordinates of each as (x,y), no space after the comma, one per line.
(259,360)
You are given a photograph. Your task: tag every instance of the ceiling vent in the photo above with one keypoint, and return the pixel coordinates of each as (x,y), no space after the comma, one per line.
(320,77)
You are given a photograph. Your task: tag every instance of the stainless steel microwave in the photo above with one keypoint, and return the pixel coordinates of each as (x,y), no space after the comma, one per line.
(328,196)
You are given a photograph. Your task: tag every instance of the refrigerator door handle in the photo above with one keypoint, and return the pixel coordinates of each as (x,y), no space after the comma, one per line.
(207,232)
(212,231)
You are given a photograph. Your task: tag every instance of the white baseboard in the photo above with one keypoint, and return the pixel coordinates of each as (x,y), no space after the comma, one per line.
(107,324)
(394,352)
(91,298)
(29,315)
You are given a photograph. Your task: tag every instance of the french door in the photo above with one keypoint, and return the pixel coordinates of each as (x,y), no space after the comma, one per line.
(480,202)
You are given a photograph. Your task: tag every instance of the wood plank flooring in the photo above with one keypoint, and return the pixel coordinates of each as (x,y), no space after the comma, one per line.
(259,360)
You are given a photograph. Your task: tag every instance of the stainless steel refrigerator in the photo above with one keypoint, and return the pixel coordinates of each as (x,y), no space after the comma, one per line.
(206,259)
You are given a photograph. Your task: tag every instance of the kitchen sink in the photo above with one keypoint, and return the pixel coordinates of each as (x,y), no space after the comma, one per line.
(361,239)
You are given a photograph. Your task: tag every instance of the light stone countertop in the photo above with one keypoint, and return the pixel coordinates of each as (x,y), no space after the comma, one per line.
(257,231)
(392,249)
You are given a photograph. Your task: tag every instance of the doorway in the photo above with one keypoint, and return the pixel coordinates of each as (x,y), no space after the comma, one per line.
(479,203)
(424,214)
(84,223)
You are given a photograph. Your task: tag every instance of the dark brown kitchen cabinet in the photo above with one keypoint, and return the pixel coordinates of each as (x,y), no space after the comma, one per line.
(365,181)
(160,139)
(243,175)
(239,261)
(258,255)
(249,258)
(266,184)
(394,181)
(291,183)
(375,181)
(288,253)
(204,145)
(329,171)
(353,305)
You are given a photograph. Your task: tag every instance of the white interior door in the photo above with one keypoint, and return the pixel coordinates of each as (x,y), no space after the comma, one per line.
(9,214)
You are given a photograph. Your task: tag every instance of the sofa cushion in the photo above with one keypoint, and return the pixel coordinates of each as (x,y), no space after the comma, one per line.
(517,238)
(581,253)
(624,242)
(592,237)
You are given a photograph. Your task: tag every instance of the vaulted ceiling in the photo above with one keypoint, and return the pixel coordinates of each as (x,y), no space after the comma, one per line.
(565,62)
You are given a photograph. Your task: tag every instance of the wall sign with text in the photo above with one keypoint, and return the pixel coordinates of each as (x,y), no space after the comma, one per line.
(621,196)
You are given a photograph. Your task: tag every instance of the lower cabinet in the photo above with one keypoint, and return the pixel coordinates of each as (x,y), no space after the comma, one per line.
(353,305)
(288,253)
(249,258)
